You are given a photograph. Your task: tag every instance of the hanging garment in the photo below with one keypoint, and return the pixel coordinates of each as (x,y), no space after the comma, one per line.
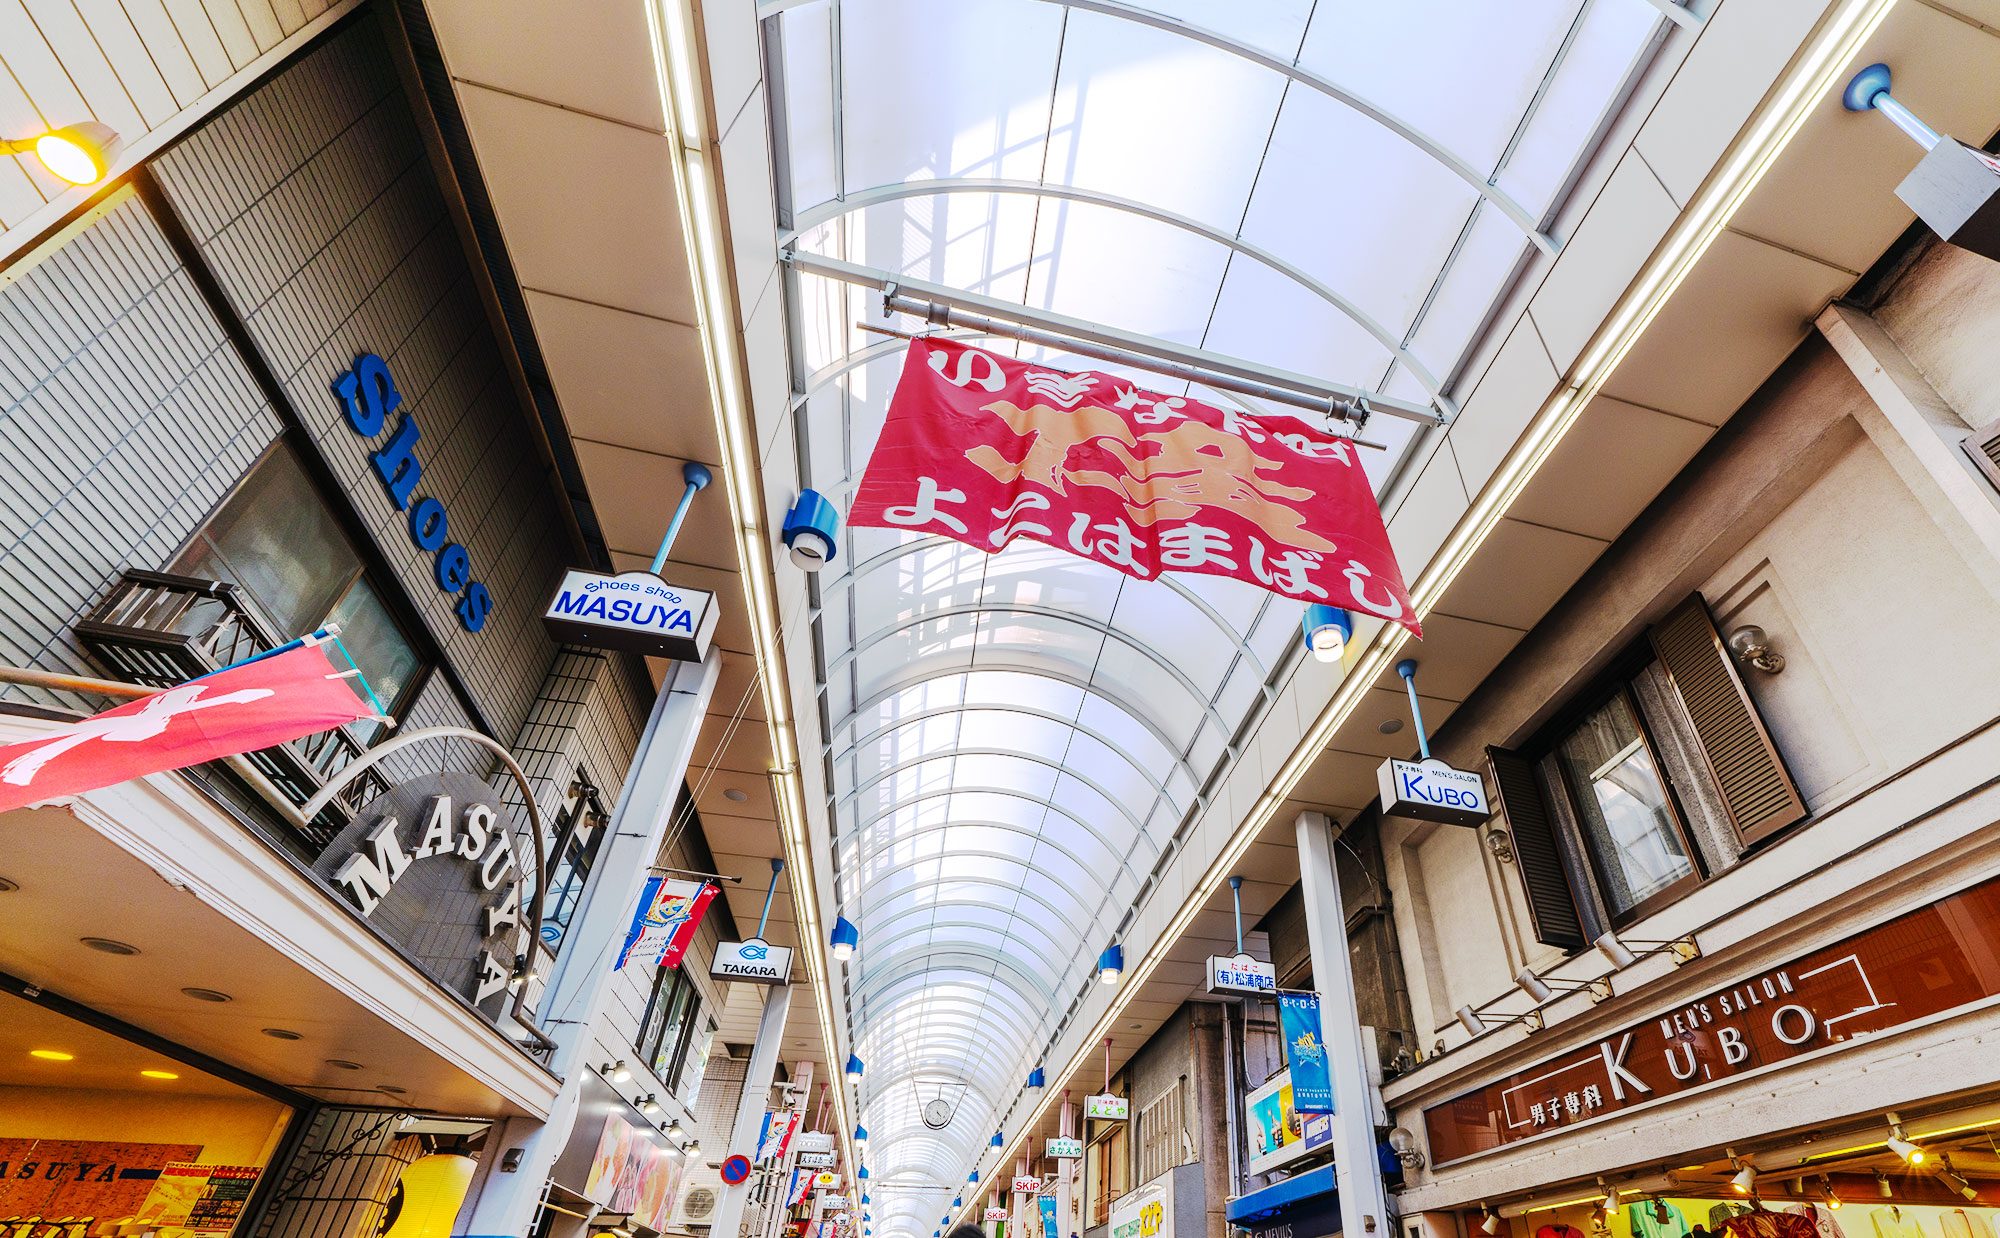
(1720,1215)
(1825,1221)
(1646,1222)
(1892,1222)
(1958,1223)
(1762,1224)
(1561,1230)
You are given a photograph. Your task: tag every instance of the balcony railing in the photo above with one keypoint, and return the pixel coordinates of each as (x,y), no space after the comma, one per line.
(161,630)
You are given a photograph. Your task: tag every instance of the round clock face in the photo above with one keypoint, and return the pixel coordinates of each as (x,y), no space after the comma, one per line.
(937,1114)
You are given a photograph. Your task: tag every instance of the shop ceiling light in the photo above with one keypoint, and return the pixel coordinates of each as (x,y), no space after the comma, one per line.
(1745,1180)
(1911,1153)
(1826,1192)
(1615,951)
(1882,1186)
(52,1055)
(617,1071)
(1610,1201)
(1327,631)
(649,1104)
(845,938)
(860,1137)
(674,1130)
(158,1074)
(1111,964)
(80,154)
(854,1070)
(1491,1224)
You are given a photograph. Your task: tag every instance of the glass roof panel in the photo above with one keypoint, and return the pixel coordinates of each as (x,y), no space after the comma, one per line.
(1014,740)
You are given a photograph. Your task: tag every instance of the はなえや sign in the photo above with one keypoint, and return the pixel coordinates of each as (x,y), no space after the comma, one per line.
(434,864)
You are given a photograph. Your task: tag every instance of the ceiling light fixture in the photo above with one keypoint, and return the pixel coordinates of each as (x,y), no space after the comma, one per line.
(1882,1186)
(341,1063)
(158,1074)
(1745,1180)
(1111,964)
(1826,1194)
(80,154)
(52,1055)
(105,945)
(216,996)
(1327,631)
(279,1033)
(1491,1224)
(1912,1155)
(845,938)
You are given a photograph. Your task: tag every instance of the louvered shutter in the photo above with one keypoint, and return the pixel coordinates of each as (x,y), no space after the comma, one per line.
(1551,902)
(1747,770)
(1982,447)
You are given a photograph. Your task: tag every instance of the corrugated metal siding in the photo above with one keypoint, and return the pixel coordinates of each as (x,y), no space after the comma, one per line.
(125,417)
(312,202)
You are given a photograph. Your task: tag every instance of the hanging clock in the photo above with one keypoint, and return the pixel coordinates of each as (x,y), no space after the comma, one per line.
(937,1114)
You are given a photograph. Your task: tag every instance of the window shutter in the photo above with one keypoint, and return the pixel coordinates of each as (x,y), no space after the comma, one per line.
(1747,769)
(1982,446)
(1551,903)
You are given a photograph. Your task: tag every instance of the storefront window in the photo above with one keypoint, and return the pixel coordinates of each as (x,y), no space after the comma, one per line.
(277,540)
(579,829)
(1109,1174)
(693,1063)
(669,1015)
(100,1135)
(1622,807)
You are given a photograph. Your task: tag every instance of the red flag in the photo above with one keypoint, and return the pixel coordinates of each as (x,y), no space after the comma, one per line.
(983,450)
(256,705)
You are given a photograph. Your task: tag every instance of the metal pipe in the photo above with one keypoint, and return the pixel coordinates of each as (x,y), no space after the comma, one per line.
(1906,120)
(697,478)
(1407,668)
(941,305)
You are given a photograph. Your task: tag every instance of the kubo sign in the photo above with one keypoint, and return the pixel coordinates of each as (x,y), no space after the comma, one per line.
(633,612)
(1432,791)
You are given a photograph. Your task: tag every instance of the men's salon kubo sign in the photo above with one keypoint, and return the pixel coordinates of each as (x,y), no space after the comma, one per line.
(1432,791)
(433,863)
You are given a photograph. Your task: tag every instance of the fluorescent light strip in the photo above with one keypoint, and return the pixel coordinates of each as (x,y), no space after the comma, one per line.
(1815,73)
(674,66)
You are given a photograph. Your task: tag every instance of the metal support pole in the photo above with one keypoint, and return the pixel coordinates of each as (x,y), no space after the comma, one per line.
(1236,897)
(1870,89)
(697,478)
(777,866)
(1364,1201)
(757,1080)
(502,1200)
(1407,668)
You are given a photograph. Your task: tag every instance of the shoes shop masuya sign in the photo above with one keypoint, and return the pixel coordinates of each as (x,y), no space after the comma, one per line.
(434,864)
(1923,963)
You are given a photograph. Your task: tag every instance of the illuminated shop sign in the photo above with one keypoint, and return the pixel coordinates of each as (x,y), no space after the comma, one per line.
(1240,974)
(368,395)
(633,612)
(1062,1149)
(1432,791)
(1929,961)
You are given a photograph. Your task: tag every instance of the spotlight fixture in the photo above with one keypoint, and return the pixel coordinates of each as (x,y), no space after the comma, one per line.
(1327,630)
(1912,1155)
(1541,991)
(1111,964)
(1745,1180)
(649,1104)
(1621,955)
(1826,1194)
(674,1130)
(80,154)
(616,1072)
(1491,1224)
(845,938)
(1882,1186)
(1476,1026)
(1611,1197)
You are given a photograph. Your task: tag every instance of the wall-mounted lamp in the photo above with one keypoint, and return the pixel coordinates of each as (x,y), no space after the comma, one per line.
(1611,1198)
(1490,1223)
(80,154)
(675,1130)
(1111,964)
(1621,955)
(1036,1079)
(1752,646)
(1474,1025)
(1954,188)
(1404,1145)
(616,1072)
(1502,846)
(854,1069)
(1536,987)
(860,1137)
(1327,630)
(845,938)
(1745,1181)
(649,1104)
(810,531)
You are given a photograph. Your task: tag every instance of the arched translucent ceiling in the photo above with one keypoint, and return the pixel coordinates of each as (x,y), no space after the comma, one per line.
(1339,188)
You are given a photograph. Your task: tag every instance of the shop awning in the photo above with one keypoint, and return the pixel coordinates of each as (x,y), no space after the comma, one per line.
(1293,1191)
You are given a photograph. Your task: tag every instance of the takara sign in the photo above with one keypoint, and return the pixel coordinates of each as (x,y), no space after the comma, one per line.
(756,961)
(1929,961)
(1241,974)
(1062,1149)
(432,864)
(1279,1133)
(1147,1212)
(1107,1107)
(633,612)
(1432,791)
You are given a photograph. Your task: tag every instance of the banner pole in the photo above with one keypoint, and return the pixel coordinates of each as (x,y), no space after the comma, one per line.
(1236,895)
(697,477)
(777,866)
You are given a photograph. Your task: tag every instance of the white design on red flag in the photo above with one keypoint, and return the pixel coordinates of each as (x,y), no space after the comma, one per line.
(256,705)
(983,449)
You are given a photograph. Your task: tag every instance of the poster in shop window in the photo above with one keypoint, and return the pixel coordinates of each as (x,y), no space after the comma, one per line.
(73,1179)
(202,1198)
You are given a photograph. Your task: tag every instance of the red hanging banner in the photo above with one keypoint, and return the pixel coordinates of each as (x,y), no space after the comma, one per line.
(984,450)
(256,705)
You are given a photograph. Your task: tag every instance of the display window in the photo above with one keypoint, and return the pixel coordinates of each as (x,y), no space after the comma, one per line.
(102,1137)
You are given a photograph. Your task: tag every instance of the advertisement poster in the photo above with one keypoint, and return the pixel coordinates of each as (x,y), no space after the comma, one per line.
(1305,1052)
(632,1174)
(42,1179)
(1145,1212)
(1279,1133)
(1048,1206)
(204,1198)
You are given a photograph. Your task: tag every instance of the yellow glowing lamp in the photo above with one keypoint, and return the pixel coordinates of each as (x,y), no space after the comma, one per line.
(434,1190)
(80,154)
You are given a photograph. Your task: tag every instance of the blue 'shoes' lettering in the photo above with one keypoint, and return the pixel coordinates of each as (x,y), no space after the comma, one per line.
(367,396)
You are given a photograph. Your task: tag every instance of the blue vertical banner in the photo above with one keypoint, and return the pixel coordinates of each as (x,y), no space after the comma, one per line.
(1305,1052)
(1048,1206)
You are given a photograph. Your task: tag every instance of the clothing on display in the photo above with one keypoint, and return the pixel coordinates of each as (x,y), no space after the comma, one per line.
(1892,1222)
(1828,1224)
(1757,1223)
(1720,1214)
(1958,1223)
(1653,1218)
(1560,1230)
